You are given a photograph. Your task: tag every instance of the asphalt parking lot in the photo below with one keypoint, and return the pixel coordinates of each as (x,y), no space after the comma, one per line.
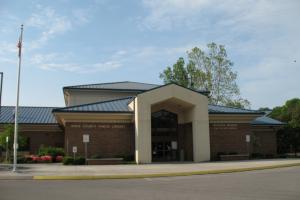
(283,183)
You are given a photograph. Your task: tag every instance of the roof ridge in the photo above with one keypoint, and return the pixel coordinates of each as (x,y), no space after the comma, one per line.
(87,104)
(95,84)
(106,83)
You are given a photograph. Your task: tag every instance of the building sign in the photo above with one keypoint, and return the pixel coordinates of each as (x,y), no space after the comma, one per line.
(103,126)
(225,126)
(86,138)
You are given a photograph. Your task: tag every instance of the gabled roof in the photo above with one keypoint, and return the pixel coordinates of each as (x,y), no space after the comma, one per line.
(217,109)
(27,115)
(125,85)
(264,120)
(112,106)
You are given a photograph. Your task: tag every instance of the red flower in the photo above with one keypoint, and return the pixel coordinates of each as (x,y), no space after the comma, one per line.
(59,158)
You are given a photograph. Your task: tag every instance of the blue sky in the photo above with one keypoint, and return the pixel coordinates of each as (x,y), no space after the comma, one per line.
(79,42)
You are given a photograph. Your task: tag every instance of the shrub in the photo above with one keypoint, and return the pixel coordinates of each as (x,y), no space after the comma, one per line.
(68,160)
(71,161)
(46,158)
(52,151)
(128,157)
(59,158)
(35,158)
(79,161)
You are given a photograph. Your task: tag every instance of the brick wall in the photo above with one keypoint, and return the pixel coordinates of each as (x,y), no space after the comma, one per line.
(43,138)
(106,139)
(40,135)
(265,141)
(228,138)
(231,138)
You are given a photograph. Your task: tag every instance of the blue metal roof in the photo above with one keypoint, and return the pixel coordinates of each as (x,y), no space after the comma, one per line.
(264,120)
(112,106)
(217,109)
(43,115)
(125,85)
(27,115)
(121,105)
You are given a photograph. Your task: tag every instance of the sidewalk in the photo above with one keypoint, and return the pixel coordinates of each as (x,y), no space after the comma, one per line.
(59,171)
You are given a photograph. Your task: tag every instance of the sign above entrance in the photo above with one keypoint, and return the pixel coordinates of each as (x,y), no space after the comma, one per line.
(86,138)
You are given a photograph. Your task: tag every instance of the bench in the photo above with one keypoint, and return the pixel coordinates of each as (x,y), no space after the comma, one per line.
(104,161)
(234,157)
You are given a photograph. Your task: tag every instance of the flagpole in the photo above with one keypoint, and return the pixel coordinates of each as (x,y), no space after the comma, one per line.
(15,147)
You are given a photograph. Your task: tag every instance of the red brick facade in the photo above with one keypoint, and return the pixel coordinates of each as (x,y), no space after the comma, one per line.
(264,140)
(118,139)
(106,139)
(230,138)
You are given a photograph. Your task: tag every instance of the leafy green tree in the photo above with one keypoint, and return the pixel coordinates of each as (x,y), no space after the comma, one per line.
(212,71)
(289,136)
(9,132)
(289,113)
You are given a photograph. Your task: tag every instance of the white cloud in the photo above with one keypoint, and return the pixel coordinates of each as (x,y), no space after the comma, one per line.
(49,23)
(165,15)
(262,35)
(59,62)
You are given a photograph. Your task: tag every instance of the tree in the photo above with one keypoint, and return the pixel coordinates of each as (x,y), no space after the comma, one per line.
(212,71)
(289,113)
(289,136)
(9,132)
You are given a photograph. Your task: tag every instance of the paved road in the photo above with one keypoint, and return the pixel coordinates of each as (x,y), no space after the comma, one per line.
(273,184)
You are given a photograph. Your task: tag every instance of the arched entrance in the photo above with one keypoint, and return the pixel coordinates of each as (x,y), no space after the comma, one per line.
(164,134)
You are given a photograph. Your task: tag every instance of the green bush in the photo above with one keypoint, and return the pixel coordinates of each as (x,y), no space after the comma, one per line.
(71,161)
(68,160)
(79,161)
(52,151)
(128,158)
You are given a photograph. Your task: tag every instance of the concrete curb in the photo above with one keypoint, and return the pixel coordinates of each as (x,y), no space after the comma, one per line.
(12,177)
(138,176)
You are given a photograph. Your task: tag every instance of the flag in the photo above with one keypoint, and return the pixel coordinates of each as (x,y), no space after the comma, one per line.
(19,45)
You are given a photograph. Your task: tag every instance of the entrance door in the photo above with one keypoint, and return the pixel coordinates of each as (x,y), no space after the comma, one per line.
(164,136)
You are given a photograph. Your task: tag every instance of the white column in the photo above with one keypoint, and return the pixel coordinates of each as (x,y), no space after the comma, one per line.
(142,132)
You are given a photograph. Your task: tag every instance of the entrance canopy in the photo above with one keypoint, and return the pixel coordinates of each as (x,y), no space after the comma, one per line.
(191,107)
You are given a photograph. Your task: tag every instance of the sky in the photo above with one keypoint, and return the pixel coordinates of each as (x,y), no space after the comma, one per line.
(71,42)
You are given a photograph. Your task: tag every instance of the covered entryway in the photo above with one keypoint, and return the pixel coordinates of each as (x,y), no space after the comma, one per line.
(191,111)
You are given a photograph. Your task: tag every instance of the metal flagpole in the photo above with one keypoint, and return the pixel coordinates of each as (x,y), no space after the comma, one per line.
(15,147)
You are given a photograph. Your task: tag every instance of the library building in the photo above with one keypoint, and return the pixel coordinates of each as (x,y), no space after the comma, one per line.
(147,122)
